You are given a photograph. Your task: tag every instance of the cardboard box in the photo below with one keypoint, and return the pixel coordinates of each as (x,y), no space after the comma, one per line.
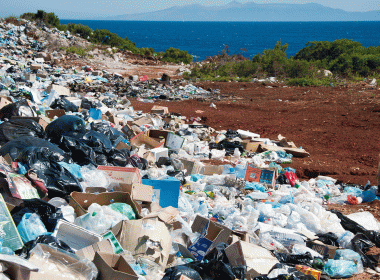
(192,166)
(148,142)
(167,191)
(81,201)
(51,114)
(322,249)
(10,235)
(59,89)
(211,235)
(124,175)
(213,169)
(259,261)
(133,236)
(260,175)
(251,146)
(104,246)
(131,131)
(75,236)
(138,192)
(122,145)
(166,215)
(159,110)
(112,267)
(158,134)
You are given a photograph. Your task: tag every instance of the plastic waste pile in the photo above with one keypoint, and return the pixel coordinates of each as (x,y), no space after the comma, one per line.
(92,189)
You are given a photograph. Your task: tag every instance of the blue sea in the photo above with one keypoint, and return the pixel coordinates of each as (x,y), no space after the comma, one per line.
(203,39)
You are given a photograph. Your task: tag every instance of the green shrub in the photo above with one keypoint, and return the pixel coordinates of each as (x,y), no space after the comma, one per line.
(77,50)
(176,56)
(309,82)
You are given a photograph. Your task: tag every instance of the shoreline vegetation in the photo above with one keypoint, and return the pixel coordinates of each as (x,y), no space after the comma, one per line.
(319,63)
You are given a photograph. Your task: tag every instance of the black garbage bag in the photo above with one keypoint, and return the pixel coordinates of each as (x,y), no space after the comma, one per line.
(17,109)
(63,103)
(81,153)
(48,213)
(117,158)
(52,241)
(16,128)
(174,273)
(15,147)
(99,142)
(290,274)
(293,259)
(66,125)
(138,162)
(58,180)
(228,146)
(218,253)
(355,228)
(106,129)
(282,180)
(164,161)
(361,244)
(109,102)
(101,159)
(328,238)
(230,134)
(88,104)
(179,175)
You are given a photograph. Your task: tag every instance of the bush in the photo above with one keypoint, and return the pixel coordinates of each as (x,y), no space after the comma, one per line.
(176,56)
(309,82)
(77,50)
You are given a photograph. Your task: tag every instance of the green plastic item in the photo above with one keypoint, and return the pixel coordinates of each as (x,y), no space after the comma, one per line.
(123,209)
(117,249)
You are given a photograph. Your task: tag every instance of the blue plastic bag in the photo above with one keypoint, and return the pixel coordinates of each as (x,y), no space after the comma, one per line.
(339,268)
(350,255)
(31,227)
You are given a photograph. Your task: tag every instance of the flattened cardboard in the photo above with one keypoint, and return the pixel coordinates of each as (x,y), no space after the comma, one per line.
(296,152)
(81,201)
(251,146)
(159,110)
(75,236)
(138,192)
(59,89)
(134,234)
(51,114)
(259,261)
(112,267)
(124,175)
(122,145)
(166,215)
(141,121)
(148,142)
(104,246)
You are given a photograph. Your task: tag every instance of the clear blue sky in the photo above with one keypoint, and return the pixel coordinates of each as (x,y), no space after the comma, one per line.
(102,8)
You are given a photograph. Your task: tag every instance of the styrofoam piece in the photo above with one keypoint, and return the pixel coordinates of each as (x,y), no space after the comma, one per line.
(248,134)
(75,236)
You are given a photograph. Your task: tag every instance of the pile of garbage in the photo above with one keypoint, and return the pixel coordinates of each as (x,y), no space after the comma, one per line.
(92,189)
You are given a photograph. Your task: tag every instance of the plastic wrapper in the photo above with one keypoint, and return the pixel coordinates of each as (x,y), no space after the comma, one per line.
(93,178)
(15,147)
(48,213)
(58,180)
(58,262)
(66,125)
(43,239)
(30,227)
(124,209)
(344,240)
(17,109)
(16,128)
(339,268)
(350,255)
(63,103)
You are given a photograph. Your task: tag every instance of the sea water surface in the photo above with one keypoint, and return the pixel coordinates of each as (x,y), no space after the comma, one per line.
(203,39)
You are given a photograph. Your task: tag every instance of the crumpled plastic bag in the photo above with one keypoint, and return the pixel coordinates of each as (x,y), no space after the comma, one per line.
(16,128)
(339,268)
(31,227)
(54,261)
(66,125)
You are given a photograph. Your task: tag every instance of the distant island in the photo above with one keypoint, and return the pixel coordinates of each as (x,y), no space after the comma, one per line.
(235,11)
